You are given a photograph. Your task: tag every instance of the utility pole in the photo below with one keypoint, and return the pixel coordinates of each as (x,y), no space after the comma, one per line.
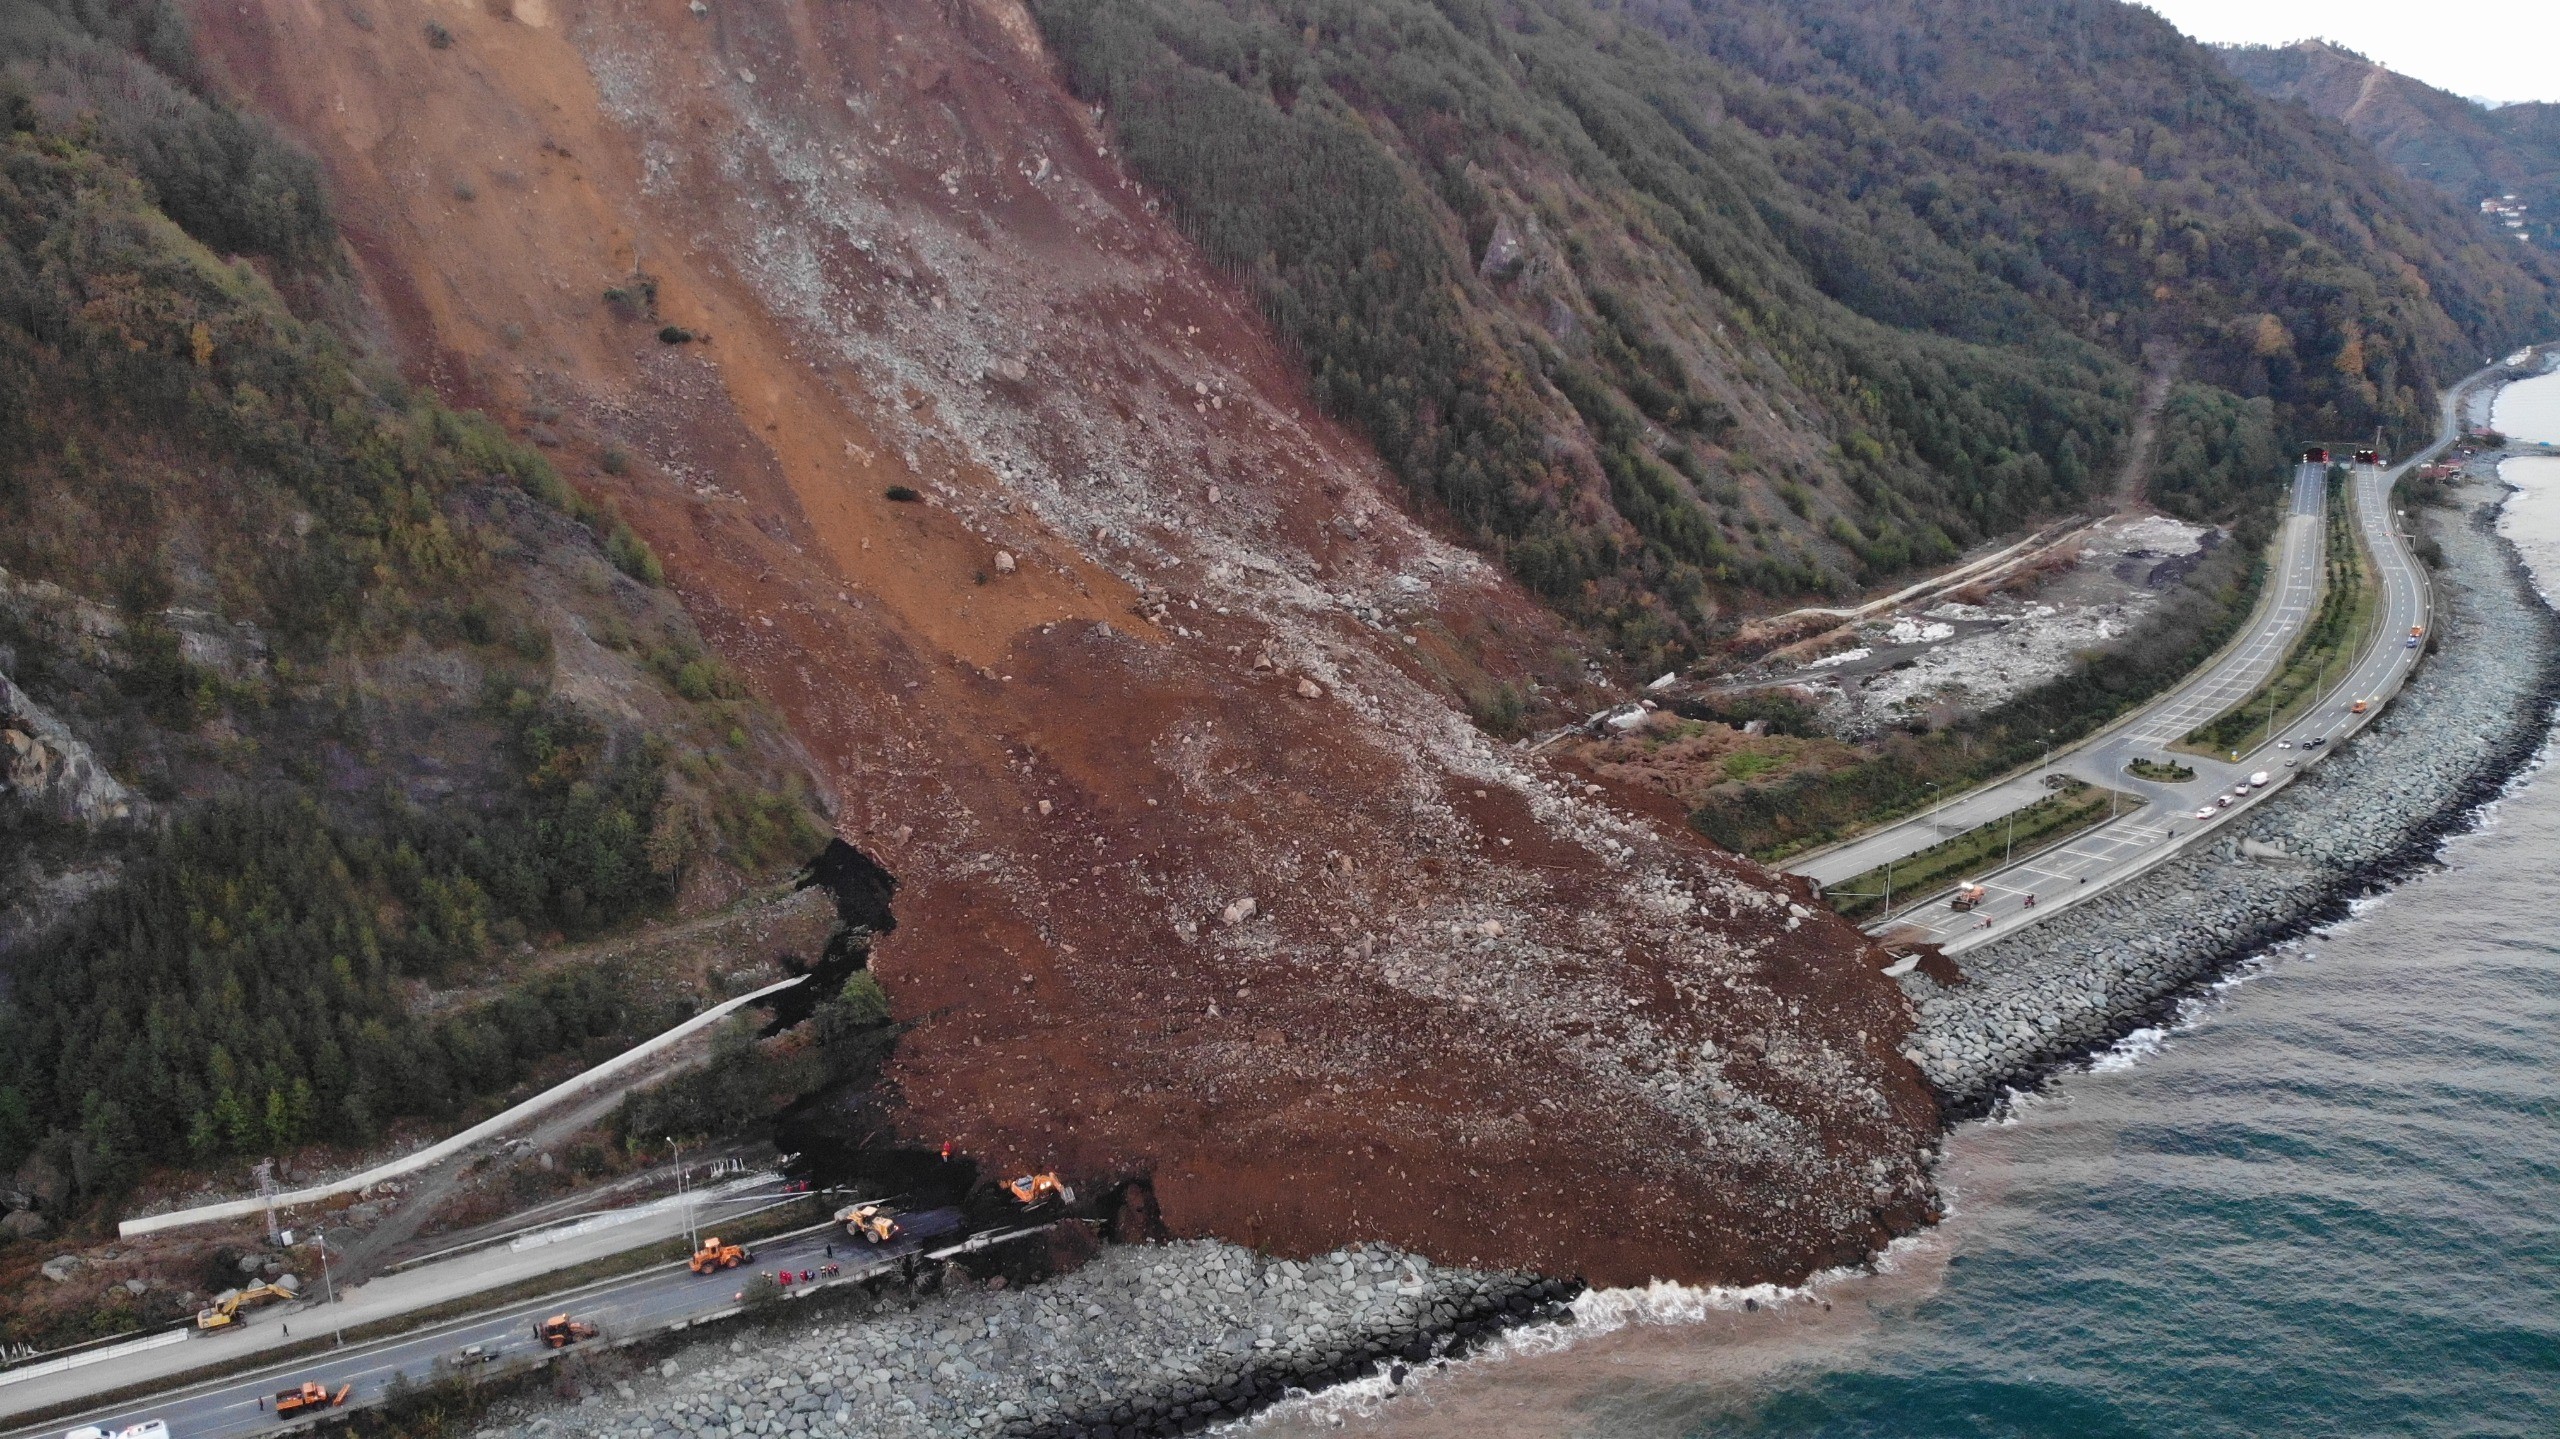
(682,1200)
(266,1173)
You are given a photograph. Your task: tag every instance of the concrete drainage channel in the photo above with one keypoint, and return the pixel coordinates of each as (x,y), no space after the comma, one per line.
(2471,719)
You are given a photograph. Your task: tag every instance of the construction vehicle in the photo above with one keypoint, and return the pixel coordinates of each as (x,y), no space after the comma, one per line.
(715,1255)
(874,1222)
(560,1331)
(225,1309)
(308,1395)
(1969,896)
(1031,1190)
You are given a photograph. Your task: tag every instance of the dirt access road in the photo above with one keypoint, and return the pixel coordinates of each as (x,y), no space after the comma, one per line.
(2111,854)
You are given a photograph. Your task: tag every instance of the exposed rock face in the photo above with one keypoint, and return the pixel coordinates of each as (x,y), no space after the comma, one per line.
(1475,1010)
(43,763)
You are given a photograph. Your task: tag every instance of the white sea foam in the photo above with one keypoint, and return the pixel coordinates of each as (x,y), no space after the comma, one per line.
(1597,1312)
(2131,1050)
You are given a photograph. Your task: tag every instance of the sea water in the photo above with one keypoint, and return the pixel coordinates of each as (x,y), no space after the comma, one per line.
(2326,1201)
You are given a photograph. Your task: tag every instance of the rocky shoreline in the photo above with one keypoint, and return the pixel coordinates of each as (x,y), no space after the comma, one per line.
(1161,1339)
(2474,715)
(1152,1339)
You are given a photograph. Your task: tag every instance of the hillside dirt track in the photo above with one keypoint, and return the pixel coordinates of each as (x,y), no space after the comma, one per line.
(1480,1010)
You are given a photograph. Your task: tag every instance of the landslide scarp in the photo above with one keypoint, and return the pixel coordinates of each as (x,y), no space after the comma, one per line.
(1151,693)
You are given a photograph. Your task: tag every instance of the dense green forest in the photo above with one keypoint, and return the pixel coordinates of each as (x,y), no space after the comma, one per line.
(1673,304)
(325,627)
(2469,150)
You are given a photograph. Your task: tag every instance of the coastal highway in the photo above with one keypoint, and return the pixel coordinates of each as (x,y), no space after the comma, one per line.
(2239,669)
(2038,887)
(620,1308)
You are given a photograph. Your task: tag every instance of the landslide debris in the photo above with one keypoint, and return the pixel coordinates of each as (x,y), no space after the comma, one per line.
(1470,1009)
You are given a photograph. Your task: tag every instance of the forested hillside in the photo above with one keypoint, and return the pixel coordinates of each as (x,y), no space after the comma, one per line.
(1678,305)
(2462,147)
(383,701)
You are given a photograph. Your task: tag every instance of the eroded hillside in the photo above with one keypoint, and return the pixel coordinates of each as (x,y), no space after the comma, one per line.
(1150,694)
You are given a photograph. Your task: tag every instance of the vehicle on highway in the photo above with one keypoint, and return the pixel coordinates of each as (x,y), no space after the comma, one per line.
(2223,802)
(2315,741)
(470,1354)
(307,1395)
(2413,642)
(147,1429)
(2240,790)
(2261,780)
(2284,744)
(1968,896)
(2360,706)
(2205,813)
(2416,630)
(560,1331)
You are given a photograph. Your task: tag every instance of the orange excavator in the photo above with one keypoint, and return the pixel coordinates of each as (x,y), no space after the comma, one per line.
(308,1395)
(715,1255)
(1033,1190)
(560,1331)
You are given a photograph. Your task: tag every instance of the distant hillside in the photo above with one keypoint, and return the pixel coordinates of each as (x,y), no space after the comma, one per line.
(1675,306)
(2462,147)
(313,690)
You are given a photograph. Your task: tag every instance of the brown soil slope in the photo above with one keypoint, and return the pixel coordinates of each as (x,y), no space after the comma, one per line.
(1156,641)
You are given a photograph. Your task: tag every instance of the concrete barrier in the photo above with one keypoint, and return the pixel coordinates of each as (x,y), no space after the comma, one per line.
(444,1149)
(96,1356)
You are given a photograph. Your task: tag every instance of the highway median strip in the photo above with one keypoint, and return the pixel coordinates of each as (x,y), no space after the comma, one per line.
(2074,808)
(2325,651)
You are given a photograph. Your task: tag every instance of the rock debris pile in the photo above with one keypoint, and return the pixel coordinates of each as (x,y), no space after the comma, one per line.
(2475,713)
(1154,1339)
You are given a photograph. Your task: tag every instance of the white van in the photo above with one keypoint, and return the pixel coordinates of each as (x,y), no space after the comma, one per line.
(147,1429)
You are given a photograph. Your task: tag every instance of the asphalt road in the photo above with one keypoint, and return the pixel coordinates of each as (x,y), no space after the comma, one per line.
(2239,670)
(635,1305)
(2035,889)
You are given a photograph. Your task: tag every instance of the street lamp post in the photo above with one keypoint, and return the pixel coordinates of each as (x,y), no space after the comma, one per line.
(683,1201)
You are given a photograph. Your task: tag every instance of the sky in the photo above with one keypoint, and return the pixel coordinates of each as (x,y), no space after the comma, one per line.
(2496,50)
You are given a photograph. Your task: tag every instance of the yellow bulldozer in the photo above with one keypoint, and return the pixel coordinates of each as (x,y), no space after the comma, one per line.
(225,1309)
(715,1255)
(874,1222)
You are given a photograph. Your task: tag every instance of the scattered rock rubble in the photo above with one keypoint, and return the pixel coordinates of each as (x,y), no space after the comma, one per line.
(1148,1339)
(2475,714)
